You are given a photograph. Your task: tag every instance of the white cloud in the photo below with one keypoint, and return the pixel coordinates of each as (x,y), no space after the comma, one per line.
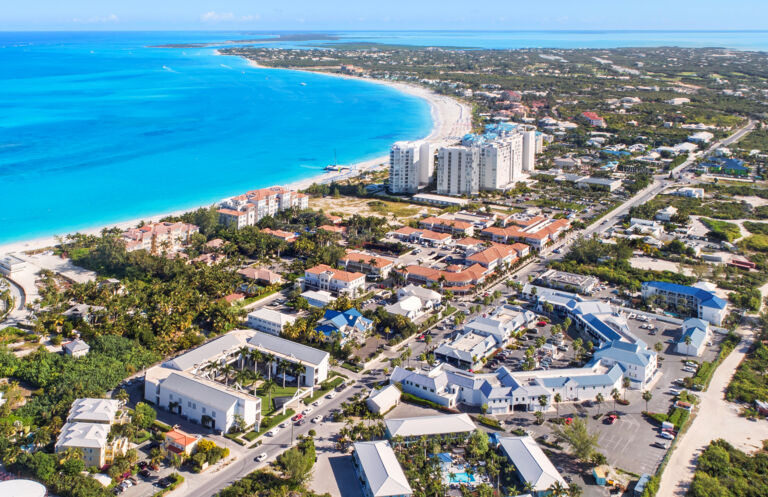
(97,20)
(214,16)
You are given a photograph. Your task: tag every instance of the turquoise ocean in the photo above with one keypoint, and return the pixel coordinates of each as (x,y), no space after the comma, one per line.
(99,128)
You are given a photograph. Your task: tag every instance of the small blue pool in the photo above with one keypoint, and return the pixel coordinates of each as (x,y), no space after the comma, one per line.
(463,477)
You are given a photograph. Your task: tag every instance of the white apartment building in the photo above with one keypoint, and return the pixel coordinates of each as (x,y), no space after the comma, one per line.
(322,277)
(458,171)
(156,238)
(87,429)
(269,321)
(251,207)
(493,161)
(411,165)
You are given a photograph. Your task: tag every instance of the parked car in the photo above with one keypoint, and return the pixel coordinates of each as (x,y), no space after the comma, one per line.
(667,435)
(307,411)
(145,473)
(317,419)
(261,457)
(317,403)
(298,417)
(331,394)
(662,444)
(273,432)
(610,419)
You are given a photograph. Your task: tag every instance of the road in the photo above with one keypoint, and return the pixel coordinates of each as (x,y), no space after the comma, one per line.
(214,480)
(660,182)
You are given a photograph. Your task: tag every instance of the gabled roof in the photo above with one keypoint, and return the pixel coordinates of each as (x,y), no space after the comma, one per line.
(93,411)
(206,352)
(706,298)
(531,463)
(76,345)
(383,473)
(93,435)
(288,349)
(181,438)
(625,353)
(429,425)
(350,317)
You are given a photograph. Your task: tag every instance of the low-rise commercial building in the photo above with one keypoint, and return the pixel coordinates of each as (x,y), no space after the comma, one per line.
(694,336)
(412,429)
(571,282)
(372,265)
(382,400)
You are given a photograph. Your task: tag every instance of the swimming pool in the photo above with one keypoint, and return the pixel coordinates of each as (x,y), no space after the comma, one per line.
(462,477)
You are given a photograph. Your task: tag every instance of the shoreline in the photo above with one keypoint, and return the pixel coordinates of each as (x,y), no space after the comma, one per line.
(451,118)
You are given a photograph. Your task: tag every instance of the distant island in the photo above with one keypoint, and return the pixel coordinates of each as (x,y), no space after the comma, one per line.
(278,38)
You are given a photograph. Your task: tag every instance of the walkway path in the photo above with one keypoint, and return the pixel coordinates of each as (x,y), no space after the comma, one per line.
(716,418)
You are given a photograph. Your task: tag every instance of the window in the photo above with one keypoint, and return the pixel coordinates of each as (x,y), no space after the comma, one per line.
(203,410)
(213,414)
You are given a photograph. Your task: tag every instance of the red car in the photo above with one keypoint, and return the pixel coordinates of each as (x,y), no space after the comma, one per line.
(609,420)
(298,417)
(541,323)
(568,421)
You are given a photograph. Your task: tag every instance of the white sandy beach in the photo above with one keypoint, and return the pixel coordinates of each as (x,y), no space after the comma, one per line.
(451,119)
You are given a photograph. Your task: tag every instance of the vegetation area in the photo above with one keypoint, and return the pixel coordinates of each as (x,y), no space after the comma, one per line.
(724,471)
(722,230)
(750,383)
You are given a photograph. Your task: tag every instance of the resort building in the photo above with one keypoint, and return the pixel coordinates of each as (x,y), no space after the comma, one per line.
(322,277)
(314,361)
(459,426)
(695,335)
(87,430)
(157,238)
(269,320)
(411,165)
(92,440)
(422,236)
(10,264)
(533,468)
(382,400)
(372,265)
(577,283)
(492,161)
(286,236)
(698,300)
(344,325)
(251,207)
(379,472)
(535,231)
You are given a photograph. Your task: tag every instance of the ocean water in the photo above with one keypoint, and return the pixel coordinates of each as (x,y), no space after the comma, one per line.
(98,128)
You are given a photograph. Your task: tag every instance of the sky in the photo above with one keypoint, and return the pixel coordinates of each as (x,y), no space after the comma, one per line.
(298,15)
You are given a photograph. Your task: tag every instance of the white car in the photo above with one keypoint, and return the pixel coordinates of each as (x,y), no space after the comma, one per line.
(261,457)
(317,403)
(284,425)
(331,394)
(317,419)
(273,432)
(307,411)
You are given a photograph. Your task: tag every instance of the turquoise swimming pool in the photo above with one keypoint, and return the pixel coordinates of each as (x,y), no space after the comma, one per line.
(462,477)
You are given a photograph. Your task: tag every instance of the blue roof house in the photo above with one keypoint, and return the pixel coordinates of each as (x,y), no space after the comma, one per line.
(698,300)
(693,337)
(343,324)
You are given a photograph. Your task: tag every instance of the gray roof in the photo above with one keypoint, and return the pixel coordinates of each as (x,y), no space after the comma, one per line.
(531,463)
(92,435)
(430,425)
(205,392)
(288,349)
(76,345)
(625,353)
(205,353)
(93,410)
(382,471)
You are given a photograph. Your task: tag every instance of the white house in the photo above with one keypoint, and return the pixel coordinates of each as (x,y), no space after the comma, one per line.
(318,298)
(411,307)
(379,472)
(322,277)
(531,465)
(76,348)
(666,214)
(382,400)
(430,298)
(269,320)
(695,335)
(10,264)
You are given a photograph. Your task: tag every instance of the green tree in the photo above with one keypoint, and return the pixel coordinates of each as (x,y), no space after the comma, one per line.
(647,396)
(144,416)
(576,435)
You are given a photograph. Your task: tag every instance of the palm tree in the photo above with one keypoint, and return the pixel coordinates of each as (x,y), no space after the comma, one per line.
(226,369)
(647,396)
(688,342)
(558,398)
(575,490)
(283,366)
(626,382)
(599,400)
(298,369)
(616,396)
(269,359)
(557,490)
(268,389)
(243,354)
(255,356)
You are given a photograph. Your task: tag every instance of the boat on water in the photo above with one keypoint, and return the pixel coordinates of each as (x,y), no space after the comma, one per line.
(303,84)
(335,166)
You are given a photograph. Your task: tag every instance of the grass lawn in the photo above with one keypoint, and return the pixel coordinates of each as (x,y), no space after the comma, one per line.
(722,229)
(266,407)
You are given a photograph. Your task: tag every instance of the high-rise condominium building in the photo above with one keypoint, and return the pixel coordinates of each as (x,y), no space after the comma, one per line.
(411,165)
